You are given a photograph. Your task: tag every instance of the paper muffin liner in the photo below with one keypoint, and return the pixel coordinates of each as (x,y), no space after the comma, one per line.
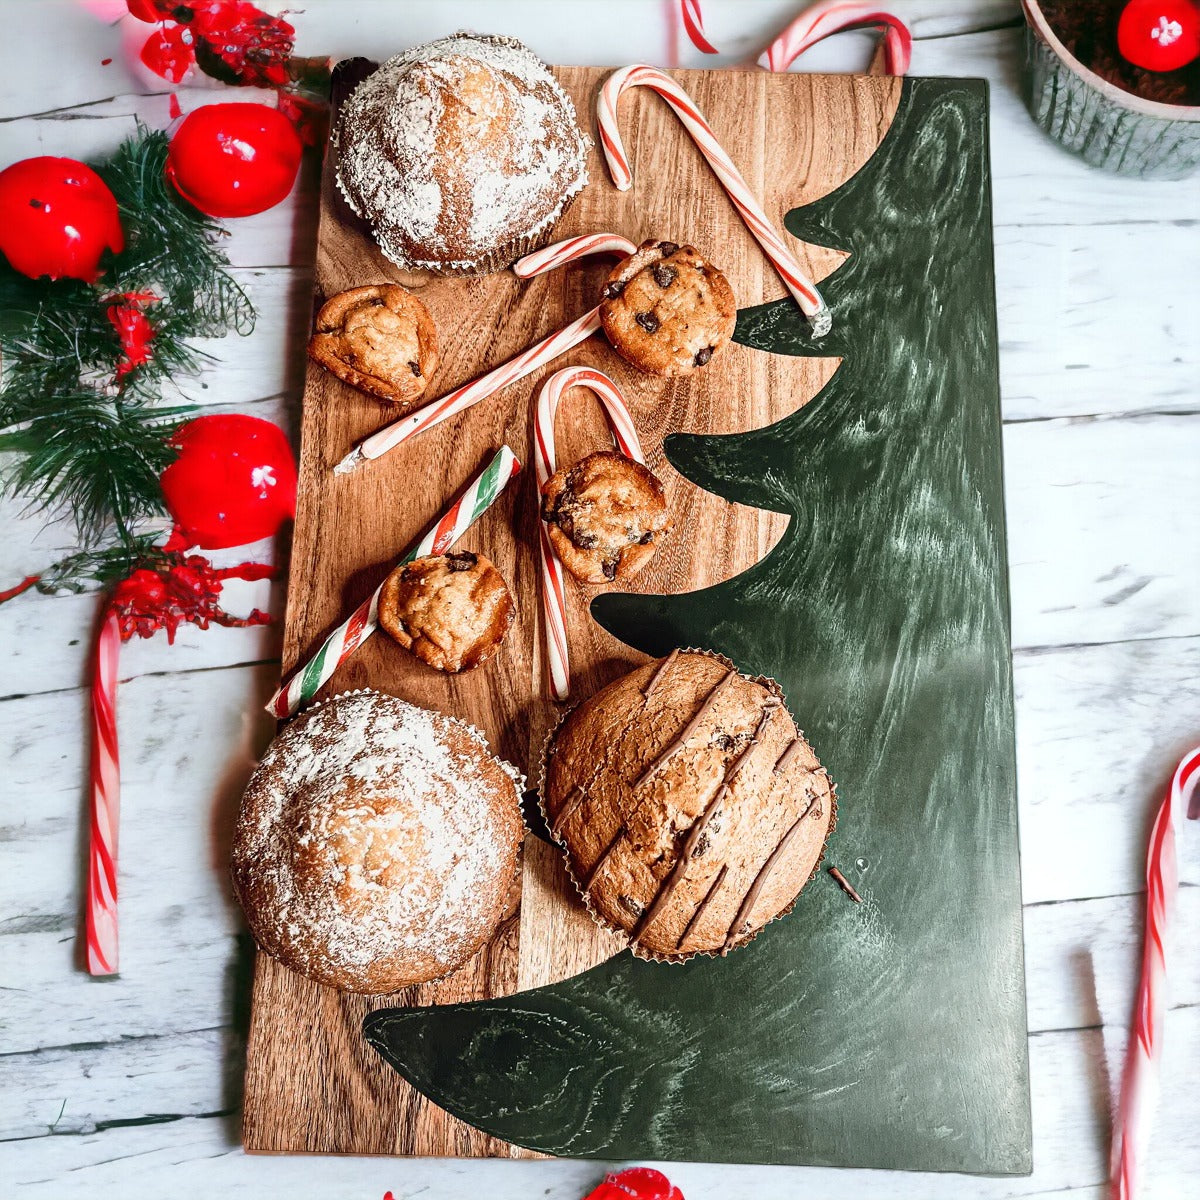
(636,949)
(518,779)
(1107,126)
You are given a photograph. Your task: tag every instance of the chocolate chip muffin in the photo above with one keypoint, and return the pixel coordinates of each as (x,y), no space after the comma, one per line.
(690,808)
(377,843)
(451,610)
(605,516)
(379,339)
(667,310)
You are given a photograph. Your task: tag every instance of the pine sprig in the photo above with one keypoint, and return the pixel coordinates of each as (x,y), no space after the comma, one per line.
(82,440)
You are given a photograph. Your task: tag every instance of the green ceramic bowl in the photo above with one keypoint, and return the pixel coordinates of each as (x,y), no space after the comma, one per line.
(1108,127)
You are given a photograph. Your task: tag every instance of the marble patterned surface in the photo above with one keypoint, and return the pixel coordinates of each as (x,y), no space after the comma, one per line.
(131,1087)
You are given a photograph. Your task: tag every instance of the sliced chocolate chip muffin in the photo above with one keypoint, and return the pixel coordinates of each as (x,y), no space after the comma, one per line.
(379,339)
(451,610)
(606,516)
(667,310)
(690,808)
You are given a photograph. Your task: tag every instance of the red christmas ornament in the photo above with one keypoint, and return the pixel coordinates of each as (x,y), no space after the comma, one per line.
(232,160)
(57,217)
(234,482)
(638,1183)
(1160,35)
(170,51)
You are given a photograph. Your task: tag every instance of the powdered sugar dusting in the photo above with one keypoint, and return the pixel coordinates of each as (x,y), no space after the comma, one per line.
(456,149)
(374,842)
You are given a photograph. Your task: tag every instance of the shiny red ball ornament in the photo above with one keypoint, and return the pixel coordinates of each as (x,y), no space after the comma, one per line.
(234,481)
(57,217)
(233,160)
(1160,35)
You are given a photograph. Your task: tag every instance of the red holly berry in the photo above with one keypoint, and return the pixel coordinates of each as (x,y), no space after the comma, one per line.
(1160,35)
(133,329)
(233,482)
(233,160)
(57,217)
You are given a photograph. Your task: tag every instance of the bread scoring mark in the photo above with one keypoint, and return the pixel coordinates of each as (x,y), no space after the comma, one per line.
(575,797)
(661,670)
(688,729)
(694,919)
(598,865)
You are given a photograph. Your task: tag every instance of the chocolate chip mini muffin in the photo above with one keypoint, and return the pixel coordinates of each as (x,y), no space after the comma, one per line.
(460,154)
(606,516)
(379,339)
(377,843)
(690,808)
(667,310)
(451,610)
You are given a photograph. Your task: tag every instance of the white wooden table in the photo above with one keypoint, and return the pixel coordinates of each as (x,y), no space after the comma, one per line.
(131,1087)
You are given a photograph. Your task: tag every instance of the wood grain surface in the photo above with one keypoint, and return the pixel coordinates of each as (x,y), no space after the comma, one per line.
(312,1084)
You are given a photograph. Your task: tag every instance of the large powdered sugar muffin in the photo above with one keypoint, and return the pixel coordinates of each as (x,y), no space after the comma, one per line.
(460,154)
(376,844)
(689,806)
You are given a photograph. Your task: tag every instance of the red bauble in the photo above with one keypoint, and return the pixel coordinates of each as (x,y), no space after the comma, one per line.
(234,481)
(57,217)
(232,160)
(636,1183)
(1160,35)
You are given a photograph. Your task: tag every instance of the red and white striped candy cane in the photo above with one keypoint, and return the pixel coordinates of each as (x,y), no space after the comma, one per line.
(1139,1092)
(738,191)
(554,598)
(693,23)
(549,257)
(525,363)
(106,804)
(832,16)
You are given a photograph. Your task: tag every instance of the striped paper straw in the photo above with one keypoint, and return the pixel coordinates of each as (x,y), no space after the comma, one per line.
(481,493)
(106,804)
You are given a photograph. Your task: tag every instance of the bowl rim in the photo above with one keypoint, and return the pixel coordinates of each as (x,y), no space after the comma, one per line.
(1151,108)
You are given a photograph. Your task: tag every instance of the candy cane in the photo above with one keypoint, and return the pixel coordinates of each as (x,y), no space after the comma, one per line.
(481,493)
(106,804)
(528,361)
(1139,1092)
(693,22)
(833,16)
(554,600)
(736,188)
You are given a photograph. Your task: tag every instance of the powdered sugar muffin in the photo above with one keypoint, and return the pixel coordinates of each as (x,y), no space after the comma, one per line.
(460,154)
(376,844)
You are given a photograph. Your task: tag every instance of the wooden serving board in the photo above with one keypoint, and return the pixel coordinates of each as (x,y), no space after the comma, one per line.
(312,1083)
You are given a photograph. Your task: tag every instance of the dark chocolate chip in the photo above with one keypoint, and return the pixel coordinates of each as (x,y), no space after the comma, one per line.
(609,568)
(703,355)
(463,561)
(664,275)
(415,368)
(586,541)
(613,290)
(721,740)
(648,321)
(634,905)
(714,822)
(702,845)
(646,538)
(668,247)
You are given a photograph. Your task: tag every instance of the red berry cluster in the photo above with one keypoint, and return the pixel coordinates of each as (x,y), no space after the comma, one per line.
(185,589)
(230,40)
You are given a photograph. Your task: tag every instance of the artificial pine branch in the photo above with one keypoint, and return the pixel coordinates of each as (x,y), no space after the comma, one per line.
(81,439)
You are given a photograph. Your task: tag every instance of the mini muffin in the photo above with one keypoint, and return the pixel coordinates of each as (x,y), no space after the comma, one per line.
(379,339)
(667,310)
(690,808)
(451,610)
(377,844)
(460,154)
(605,516)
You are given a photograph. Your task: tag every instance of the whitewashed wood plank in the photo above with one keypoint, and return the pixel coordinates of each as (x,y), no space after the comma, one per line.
(1099,731)
(1078,303)
(1103,521)
(1071,1095)
(188,744)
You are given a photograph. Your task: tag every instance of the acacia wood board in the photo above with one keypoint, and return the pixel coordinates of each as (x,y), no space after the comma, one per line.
(312,1083)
